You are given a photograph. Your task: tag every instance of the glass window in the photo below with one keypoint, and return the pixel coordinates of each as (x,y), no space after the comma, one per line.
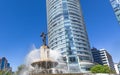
(82,58)
(65,13)
(64,5)
(72,60)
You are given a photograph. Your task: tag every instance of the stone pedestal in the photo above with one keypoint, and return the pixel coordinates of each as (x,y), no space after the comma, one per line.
(44,53)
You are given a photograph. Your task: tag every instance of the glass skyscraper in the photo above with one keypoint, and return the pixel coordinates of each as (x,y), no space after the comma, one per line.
(116,7)
(4,65)
(67,33)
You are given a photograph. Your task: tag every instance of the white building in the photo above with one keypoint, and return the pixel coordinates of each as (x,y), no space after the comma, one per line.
(117,68)
(107,59)
(67,33)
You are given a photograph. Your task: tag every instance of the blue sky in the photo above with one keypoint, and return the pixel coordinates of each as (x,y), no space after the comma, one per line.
(22,21)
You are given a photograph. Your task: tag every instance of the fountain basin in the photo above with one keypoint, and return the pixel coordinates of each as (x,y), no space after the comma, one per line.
(45,64)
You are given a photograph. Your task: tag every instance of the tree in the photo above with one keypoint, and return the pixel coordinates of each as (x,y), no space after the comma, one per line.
(101,69)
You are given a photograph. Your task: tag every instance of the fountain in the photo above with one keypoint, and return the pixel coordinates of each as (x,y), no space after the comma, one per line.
(46,64)
(45,61)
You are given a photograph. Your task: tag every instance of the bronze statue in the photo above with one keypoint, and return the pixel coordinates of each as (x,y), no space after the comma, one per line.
(43,35)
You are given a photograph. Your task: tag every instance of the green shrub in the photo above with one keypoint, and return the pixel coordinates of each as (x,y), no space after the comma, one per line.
(101,69)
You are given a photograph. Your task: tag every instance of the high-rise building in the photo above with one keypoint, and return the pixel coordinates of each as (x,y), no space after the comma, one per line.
(107,59)
(67,33)
(4,65)
(102,57)
(116,7)
(96,56)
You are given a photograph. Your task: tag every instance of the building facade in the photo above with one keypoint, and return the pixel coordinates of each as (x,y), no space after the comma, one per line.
(107,59)
(119,67)
(116,7)
(96,56)
(67,33)
(103,57)
(4,65)
(116,65)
